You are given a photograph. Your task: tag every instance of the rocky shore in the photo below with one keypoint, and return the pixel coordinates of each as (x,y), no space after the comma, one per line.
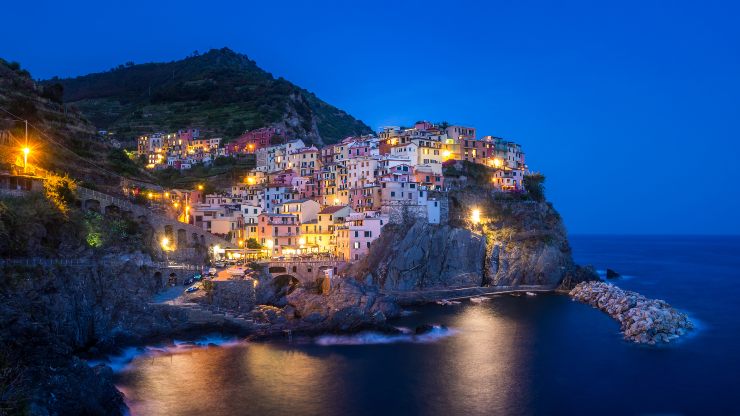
(642,320)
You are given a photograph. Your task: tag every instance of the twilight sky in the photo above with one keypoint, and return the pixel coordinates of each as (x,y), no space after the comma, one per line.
(630,109)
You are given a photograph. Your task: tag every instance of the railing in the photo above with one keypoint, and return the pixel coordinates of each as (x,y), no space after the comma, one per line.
(42,261)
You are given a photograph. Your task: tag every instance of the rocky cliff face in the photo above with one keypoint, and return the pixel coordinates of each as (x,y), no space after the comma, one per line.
(51,314)
(423,256)
(517,242)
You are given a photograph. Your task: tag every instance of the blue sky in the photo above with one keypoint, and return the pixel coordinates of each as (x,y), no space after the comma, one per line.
(631,108)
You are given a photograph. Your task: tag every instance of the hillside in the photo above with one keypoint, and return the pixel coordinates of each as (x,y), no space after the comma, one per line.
(60,138)
(221,92)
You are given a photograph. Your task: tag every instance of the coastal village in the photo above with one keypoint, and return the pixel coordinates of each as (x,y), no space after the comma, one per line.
(303,201)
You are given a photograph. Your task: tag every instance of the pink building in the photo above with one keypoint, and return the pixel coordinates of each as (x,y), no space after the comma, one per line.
(423,125)
(253,140)
(283,178)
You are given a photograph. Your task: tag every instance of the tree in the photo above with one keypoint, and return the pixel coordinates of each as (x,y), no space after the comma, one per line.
(252,244)
(535,186)
(53,92)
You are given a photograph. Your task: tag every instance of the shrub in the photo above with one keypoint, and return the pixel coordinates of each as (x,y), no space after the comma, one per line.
(253,244)
(535,186)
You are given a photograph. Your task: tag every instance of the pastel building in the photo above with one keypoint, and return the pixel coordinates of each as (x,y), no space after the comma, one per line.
(355,236)
(279,233)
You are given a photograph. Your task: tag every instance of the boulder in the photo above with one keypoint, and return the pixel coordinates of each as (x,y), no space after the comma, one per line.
(611,274)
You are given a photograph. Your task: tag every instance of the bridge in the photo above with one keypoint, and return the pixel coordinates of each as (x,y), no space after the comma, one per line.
(306,271)
(181,234)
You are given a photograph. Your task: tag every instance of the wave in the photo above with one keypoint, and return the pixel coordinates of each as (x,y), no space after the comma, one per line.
(374,338)
(121,361)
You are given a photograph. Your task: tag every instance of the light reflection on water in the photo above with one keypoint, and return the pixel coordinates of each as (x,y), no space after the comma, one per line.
(474,365)
(512,355)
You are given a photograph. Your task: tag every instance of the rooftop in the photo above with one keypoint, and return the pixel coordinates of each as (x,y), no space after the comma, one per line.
(332,209)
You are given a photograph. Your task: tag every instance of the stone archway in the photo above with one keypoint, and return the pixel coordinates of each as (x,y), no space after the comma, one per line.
(91,205)
(277,269)
(112,210)
(158,283)
(169,232)
(286,282)
(182,238)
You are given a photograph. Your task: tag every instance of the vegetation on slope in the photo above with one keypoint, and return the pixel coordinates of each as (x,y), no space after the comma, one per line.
(222,92)
(59,137)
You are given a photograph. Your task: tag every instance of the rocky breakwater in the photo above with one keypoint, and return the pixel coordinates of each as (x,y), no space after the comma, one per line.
(642,320)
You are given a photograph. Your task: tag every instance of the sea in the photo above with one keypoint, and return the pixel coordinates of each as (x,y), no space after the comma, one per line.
(511,355)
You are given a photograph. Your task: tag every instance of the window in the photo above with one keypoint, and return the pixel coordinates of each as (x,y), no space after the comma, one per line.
(357,245)
(368,233)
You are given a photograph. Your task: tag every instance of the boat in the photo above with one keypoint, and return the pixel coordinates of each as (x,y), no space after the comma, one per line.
(445,302)
(531,294)
(478,299)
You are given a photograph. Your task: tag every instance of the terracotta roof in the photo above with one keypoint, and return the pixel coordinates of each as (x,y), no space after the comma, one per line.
(332,209)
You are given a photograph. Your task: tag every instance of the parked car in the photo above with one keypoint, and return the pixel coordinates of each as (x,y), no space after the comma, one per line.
(212,271)
(219,264)
(197,277)
(191,289)
(236,271)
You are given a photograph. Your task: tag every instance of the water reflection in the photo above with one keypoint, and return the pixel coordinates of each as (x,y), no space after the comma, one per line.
(483,371)
(247,379)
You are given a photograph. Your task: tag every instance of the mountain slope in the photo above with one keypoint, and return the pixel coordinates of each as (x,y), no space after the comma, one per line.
(221,92)
(60,138)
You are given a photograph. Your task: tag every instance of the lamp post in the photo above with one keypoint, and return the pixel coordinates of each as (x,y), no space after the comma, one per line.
(166,247)
(26,151)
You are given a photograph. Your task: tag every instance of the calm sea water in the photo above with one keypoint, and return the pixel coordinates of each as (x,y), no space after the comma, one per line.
(540,354)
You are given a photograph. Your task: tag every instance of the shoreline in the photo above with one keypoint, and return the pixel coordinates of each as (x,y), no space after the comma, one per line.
(428,296)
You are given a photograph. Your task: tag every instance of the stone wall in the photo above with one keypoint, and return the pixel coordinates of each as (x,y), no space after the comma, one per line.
(234,295)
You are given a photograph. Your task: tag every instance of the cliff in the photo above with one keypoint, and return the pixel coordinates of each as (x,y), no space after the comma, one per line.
(518,242)
(51,314)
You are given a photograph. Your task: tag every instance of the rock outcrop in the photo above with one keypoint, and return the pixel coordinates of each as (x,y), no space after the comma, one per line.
(348,306)
(424,256)
(642,320)
(234,295)
(518,242)
(50,314)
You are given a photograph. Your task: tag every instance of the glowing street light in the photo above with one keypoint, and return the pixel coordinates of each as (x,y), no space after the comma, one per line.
(26,151)
(200,187)
(165,243)
(475,216)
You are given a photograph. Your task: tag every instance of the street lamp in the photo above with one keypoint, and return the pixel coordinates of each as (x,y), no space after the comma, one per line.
(26,151)
(165,243)
(475,216)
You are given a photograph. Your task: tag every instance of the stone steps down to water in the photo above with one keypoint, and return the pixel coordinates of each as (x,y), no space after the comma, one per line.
(642,320)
